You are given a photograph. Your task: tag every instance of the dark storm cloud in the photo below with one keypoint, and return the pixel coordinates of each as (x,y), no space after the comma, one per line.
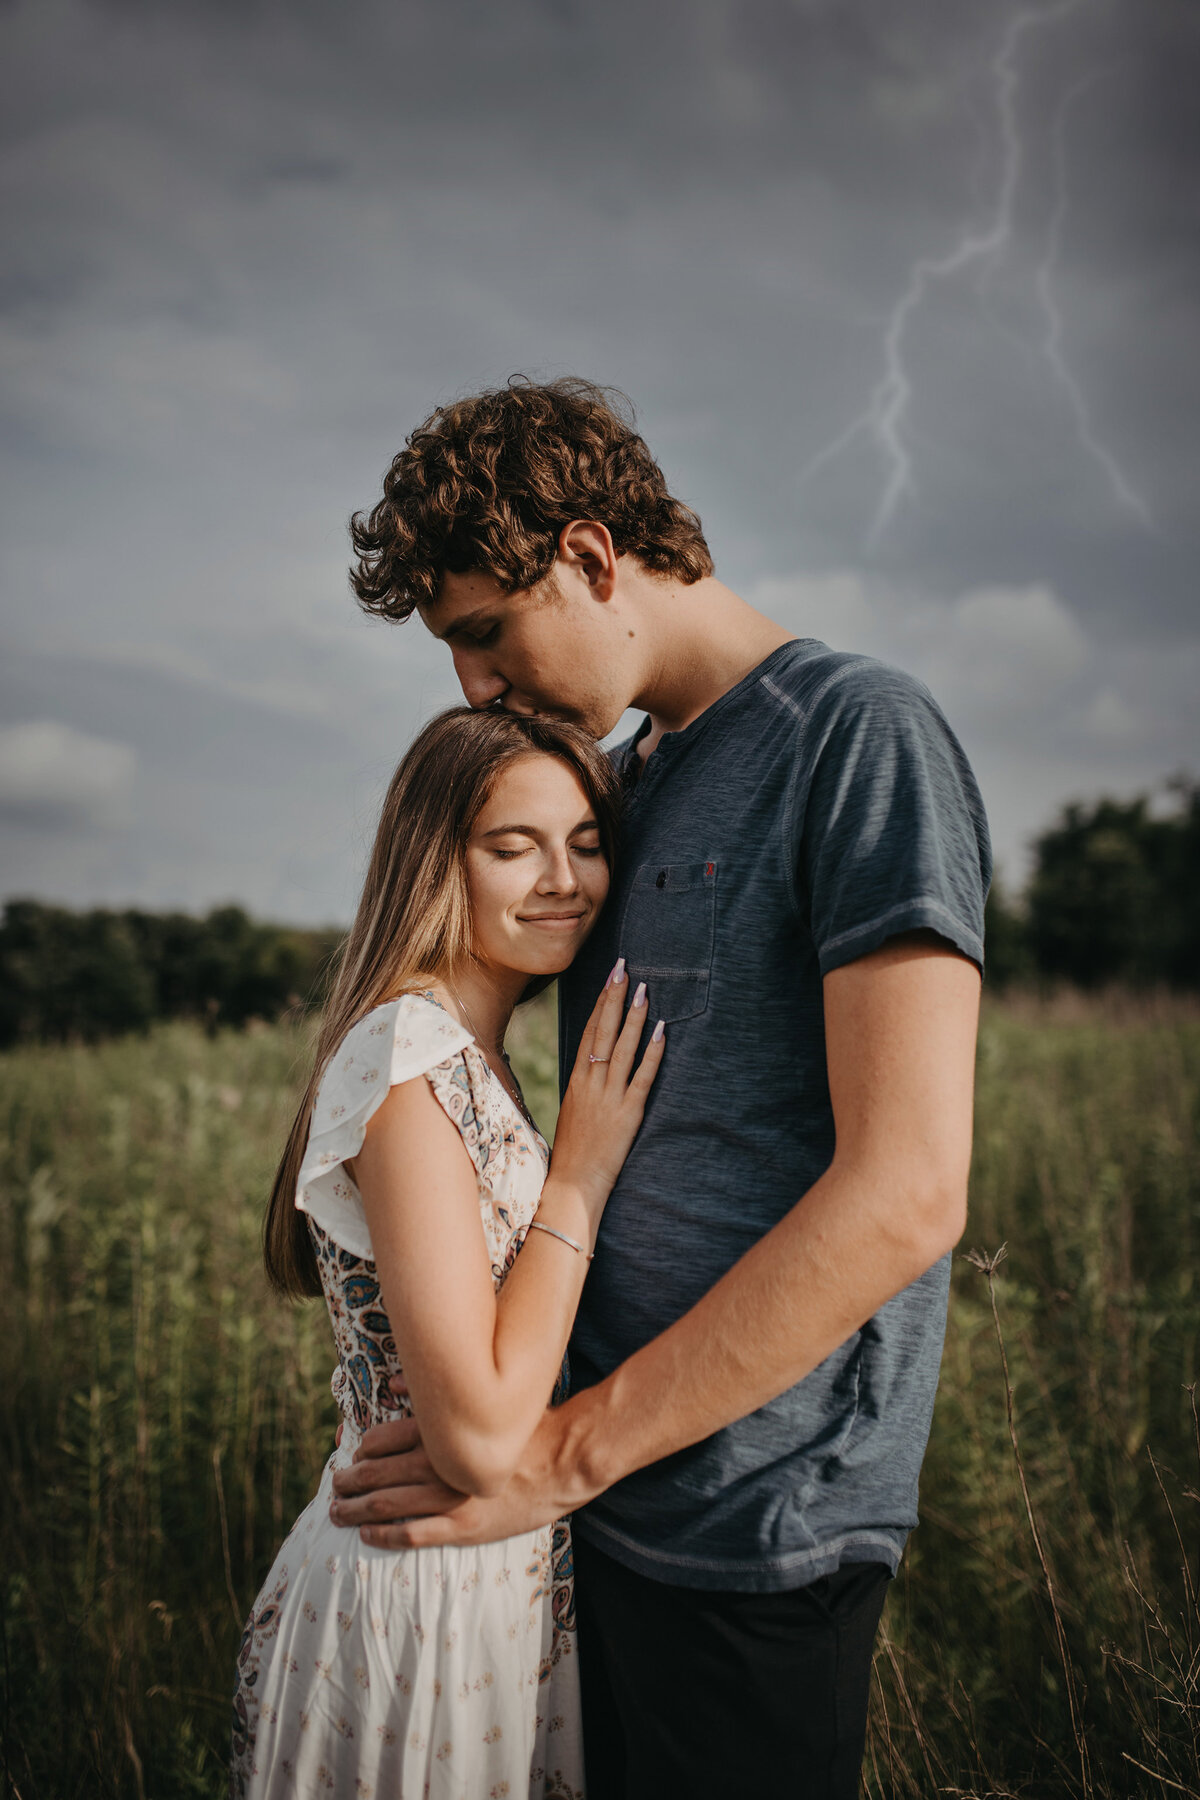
(252,244)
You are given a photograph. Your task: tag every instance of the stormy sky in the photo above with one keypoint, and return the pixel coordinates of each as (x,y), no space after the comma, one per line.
(904,291)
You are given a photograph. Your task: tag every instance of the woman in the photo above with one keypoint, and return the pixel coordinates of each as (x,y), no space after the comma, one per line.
(412,1178)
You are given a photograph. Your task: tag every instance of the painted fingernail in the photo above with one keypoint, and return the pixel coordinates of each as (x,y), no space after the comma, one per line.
(656,1036)
(618,972)
(639,994)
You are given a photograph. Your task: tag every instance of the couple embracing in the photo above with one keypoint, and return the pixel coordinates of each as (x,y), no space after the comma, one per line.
(669,1551)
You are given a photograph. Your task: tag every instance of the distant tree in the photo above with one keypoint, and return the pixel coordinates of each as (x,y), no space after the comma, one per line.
(169,944)
(70,975)
(1113,898)
(255,971)
(1009,957)
(1113,893)
(89,975)
(1180,879)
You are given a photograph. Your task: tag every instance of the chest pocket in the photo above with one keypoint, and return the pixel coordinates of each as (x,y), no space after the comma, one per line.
(667,935)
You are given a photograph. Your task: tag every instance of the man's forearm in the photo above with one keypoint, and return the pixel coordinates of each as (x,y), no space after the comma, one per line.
(853,1242)
(900,1041)
(790,1301)
(900,1036)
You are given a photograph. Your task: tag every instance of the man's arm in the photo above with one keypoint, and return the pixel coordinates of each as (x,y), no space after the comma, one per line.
(900,1029)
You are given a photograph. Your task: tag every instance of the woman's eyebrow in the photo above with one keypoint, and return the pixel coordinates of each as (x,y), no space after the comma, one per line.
(533,830)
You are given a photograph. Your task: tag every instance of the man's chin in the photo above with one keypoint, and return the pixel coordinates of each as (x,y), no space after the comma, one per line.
(598,723)
(593,723)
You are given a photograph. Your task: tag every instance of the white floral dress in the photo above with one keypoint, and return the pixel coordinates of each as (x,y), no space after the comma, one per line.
(434,1674)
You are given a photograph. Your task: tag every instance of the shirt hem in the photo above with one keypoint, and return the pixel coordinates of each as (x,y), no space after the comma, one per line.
(908,915)
(746,1575)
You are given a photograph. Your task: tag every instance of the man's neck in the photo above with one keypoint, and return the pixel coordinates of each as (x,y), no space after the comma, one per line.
(705,640)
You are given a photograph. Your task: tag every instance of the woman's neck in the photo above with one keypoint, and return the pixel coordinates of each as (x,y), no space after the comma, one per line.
(484,999)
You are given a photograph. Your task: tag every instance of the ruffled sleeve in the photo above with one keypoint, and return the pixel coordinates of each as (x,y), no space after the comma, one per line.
(397,1042)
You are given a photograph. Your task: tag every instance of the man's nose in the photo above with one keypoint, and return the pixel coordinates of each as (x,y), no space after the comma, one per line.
(480,683)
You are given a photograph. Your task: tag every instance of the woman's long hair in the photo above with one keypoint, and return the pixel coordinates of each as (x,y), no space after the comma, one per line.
(413,923)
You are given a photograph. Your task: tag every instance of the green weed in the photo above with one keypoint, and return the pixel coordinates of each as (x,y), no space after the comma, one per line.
(162,1419)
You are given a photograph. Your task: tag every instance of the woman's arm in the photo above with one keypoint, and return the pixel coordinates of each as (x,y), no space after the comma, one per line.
(900,1040)
(480,1366)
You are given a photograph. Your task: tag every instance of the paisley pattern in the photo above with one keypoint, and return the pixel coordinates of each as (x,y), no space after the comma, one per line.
(437,1673)
(262,1624)
(367,1358)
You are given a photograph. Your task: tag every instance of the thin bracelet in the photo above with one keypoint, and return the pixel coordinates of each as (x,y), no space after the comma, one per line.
(536,1225)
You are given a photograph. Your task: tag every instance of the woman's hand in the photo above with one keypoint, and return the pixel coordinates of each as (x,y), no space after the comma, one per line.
(605,1098)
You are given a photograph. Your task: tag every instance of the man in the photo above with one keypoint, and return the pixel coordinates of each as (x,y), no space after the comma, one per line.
(801,886)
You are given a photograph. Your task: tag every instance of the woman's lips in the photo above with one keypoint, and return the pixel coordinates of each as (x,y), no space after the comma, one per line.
(552,921)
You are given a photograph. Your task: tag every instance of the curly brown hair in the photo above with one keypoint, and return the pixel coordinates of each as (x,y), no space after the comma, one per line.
(487,484)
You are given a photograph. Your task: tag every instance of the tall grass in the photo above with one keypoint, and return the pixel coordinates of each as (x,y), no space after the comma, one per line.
(162,1420)
(1043,1637)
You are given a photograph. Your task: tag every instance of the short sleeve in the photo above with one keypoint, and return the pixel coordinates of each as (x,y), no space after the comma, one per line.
(892,835)
(397,1042)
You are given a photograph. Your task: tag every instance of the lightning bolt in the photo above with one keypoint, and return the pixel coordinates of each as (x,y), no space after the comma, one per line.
(1052,342)
(885,418)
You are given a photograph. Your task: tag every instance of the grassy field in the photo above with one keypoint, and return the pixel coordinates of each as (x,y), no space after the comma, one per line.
(163,1420)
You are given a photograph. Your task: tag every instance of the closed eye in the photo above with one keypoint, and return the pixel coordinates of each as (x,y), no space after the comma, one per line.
(507,854)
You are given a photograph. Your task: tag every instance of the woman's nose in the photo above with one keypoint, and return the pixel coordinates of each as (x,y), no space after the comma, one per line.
(558,873)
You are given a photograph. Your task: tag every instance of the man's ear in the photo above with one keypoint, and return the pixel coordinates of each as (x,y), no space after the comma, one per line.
(585,549)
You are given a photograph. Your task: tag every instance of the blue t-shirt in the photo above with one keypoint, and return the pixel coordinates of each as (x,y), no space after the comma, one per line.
(815,810)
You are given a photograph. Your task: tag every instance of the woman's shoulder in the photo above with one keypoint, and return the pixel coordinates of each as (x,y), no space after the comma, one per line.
(398,1040)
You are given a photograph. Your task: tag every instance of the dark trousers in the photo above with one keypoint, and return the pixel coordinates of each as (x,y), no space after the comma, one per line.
(693,1695)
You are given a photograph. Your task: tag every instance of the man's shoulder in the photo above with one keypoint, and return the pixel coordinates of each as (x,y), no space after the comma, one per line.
(819,682)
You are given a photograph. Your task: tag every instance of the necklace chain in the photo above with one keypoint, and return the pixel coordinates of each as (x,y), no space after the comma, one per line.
(474,1029)
(514,1093)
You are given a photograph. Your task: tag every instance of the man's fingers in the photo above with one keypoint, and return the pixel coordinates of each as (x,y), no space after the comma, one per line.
(387,1537)
(465,1524)
(388,1504)
(392,1438)
(415,1534)
(410,1535)
(411,1469)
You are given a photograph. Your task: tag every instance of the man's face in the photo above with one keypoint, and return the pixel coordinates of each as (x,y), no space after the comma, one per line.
(554,649)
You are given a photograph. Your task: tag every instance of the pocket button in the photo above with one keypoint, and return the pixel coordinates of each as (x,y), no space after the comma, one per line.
(661,878)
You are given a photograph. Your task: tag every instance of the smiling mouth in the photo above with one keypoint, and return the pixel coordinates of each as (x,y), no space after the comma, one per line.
(571,918)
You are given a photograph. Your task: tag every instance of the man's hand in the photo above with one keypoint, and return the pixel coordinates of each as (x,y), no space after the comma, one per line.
(393,1494)
(900,1046)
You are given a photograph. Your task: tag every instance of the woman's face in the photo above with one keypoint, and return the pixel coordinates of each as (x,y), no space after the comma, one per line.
(535,873)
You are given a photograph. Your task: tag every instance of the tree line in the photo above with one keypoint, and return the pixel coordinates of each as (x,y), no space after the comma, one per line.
(88,975)
(1112,899)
